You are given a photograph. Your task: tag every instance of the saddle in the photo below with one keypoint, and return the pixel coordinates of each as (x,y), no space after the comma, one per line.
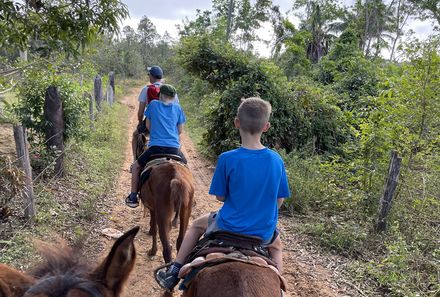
(228,242)
(223,246)
(158,159)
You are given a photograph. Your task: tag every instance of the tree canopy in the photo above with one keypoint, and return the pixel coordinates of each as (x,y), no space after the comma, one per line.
(66,25)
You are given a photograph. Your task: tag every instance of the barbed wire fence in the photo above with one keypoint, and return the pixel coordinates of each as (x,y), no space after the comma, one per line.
(22,160)
(30,204)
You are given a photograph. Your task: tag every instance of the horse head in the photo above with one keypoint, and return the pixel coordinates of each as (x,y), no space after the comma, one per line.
(64,273)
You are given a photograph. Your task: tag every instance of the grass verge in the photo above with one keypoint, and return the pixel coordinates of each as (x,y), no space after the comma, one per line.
(69,206)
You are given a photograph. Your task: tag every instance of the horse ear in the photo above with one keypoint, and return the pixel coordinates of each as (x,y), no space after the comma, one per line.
(114,270)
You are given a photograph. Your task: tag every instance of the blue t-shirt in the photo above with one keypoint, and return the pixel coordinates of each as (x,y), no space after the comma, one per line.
(164,119)
(144,93)
(251,182)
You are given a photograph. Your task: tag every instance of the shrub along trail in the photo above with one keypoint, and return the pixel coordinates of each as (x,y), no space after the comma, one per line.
(307,273)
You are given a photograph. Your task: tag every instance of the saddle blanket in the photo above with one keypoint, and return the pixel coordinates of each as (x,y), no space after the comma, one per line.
(218,258)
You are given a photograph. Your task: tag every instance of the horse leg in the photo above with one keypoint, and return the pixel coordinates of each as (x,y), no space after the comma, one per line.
(153,232)
(152,225)
(164,235)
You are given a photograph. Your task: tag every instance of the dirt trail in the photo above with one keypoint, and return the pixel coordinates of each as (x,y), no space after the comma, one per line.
(303,271)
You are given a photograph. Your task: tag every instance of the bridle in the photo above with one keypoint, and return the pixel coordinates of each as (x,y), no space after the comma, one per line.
(60,285)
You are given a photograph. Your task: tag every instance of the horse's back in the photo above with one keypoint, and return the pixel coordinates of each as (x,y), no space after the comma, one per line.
(162,178)
(235,279)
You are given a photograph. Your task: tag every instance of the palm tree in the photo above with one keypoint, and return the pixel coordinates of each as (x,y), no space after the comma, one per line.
(320,42)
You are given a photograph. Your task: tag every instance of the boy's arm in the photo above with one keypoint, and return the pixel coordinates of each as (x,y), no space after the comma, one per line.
(220,198)
(180,128)
(141,111)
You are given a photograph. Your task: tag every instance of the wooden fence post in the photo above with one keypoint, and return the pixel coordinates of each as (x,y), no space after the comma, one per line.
(53,113)
(388,193)
(23,155)
(98,91)
(89,97)
(111,80)
(109,95)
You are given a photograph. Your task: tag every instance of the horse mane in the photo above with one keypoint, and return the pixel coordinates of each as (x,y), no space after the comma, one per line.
(59,259)
(64,272)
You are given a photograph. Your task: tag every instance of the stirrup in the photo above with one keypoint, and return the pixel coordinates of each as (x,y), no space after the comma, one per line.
(159,269)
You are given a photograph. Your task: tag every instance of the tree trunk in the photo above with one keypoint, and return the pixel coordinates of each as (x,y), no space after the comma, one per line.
(229,25)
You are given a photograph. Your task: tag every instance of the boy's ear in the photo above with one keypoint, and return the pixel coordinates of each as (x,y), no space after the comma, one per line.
(237,123)
(266,127)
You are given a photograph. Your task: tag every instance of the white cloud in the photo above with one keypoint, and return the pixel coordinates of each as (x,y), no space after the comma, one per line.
(167,14)
(162,25)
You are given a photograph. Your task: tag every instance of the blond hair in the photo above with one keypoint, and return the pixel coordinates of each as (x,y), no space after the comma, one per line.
(253,114)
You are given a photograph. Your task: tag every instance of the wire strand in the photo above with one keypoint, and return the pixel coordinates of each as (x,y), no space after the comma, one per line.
(33,150)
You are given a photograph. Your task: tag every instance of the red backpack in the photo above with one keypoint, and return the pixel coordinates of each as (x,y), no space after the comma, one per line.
(152,92)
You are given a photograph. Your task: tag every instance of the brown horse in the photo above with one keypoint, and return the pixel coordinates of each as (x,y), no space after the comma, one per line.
(64,274)
(235,279)
(141,140)
(168,192)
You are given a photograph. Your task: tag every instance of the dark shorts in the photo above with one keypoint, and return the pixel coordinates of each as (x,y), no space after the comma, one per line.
(213,227)
(142,127)
(147,156)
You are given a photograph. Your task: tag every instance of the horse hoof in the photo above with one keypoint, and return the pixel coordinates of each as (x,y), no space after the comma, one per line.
(152,253)
(150,232)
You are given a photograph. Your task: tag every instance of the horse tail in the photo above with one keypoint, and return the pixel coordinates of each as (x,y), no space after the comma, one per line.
(177,192)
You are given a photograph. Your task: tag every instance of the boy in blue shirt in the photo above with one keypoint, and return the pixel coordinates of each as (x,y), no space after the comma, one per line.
(147,94)
(164,120)
(252,183)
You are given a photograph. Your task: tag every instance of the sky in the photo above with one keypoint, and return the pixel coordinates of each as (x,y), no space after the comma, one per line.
(166,14)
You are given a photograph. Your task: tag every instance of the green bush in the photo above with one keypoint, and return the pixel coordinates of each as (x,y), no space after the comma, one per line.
(235,75)
(349,73)
(327,125)
(31,93)
(306,182)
